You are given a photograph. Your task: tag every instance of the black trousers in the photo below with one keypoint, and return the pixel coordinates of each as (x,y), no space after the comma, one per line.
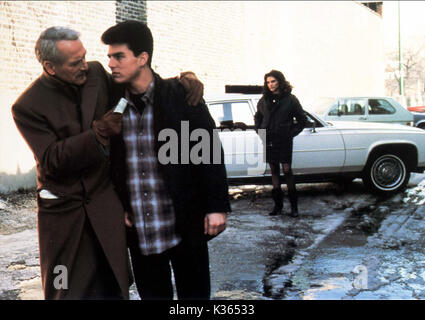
(152,274)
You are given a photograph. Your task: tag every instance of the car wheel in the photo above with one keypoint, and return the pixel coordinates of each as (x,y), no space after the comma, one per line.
(386,173)
(422,126)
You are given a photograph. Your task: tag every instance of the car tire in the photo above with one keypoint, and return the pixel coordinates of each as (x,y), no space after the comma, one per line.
(386,173)
(421,126)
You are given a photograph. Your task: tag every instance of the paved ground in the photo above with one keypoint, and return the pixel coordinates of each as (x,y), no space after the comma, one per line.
(346,244)
(348,264)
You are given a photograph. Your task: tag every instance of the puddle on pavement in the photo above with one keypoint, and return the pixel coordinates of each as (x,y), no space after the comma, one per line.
(237,295)
(240,290)
(322,291)
(9,294)
(347,235)
(338,252)
(361,224)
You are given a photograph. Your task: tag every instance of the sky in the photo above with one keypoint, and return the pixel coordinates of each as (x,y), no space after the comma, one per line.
(412,22)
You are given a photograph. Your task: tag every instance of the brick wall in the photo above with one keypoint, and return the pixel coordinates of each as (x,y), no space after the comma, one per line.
(21,22)
(324,48)
(206,37)
(224,42)
(130,10)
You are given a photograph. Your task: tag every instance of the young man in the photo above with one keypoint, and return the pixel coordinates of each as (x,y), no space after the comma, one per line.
(63,117)
(175,207)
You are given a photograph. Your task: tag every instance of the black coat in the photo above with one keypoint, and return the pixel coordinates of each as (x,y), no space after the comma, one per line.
(194,189)
(278,119)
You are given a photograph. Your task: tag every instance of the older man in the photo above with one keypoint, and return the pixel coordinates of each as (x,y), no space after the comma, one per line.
(64,118)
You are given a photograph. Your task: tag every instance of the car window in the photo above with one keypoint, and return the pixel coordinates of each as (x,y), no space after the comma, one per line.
(356,107)
(235,111)
(348,107)
(312,122)
(380,106)
(334,110)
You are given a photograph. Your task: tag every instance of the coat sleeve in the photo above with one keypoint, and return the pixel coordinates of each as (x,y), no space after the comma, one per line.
(56,157)
(258,117)
(213,173)
(299,115)
(119,171)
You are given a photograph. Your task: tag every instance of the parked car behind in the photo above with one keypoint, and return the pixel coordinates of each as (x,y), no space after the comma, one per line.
(383,155)
(372,109)
(416,109)
(419,119)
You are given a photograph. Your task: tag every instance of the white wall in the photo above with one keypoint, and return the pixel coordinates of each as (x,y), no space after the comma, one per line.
(324,48)
(21,24)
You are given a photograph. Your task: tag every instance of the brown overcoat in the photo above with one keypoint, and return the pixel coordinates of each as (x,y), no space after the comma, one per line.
(72,165)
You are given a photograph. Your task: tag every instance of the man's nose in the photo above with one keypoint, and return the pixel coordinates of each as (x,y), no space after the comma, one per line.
(111,63)
(85,65)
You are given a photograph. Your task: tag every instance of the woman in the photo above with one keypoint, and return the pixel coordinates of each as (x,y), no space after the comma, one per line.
(276,112)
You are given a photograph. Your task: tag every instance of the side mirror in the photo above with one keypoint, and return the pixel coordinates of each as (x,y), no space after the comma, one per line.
(226,124)
(240,125)
(313,126)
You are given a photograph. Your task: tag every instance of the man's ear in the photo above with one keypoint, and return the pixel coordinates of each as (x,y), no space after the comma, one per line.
(143,58)
(49,67)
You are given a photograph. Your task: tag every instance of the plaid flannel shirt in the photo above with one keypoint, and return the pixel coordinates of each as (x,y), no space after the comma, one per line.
(153,212)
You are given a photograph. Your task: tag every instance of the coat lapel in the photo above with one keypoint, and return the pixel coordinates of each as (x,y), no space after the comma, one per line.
(88,101)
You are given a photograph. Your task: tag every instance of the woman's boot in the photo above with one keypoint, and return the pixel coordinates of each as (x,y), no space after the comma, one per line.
(277,195)
(293,199)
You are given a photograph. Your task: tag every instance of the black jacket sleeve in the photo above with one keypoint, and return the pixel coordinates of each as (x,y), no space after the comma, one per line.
(213,172)
(258,117)
(299,114)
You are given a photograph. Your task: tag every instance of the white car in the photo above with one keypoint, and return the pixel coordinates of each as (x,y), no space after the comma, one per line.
(371,109)
(383,155)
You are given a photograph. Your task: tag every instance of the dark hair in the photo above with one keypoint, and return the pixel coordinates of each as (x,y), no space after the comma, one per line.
(135,34)
(284,86)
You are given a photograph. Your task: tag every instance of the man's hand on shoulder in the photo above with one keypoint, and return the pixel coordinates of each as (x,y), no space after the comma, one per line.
(193,87)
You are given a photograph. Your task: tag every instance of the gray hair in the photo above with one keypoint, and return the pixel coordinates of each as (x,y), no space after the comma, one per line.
(45,47)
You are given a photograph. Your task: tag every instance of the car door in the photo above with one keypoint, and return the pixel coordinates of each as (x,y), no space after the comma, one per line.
(385,110)
(348,109)
(318,149)
(243,148)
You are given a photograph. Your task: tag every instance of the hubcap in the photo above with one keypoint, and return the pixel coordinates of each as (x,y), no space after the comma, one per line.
(388,172)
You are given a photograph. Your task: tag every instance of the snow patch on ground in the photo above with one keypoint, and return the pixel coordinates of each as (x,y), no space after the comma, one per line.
(3,205)
(416,195)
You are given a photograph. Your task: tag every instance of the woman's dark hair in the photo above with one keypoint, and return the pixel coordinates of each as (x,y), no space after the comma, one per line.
(135,34)
(284,86)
